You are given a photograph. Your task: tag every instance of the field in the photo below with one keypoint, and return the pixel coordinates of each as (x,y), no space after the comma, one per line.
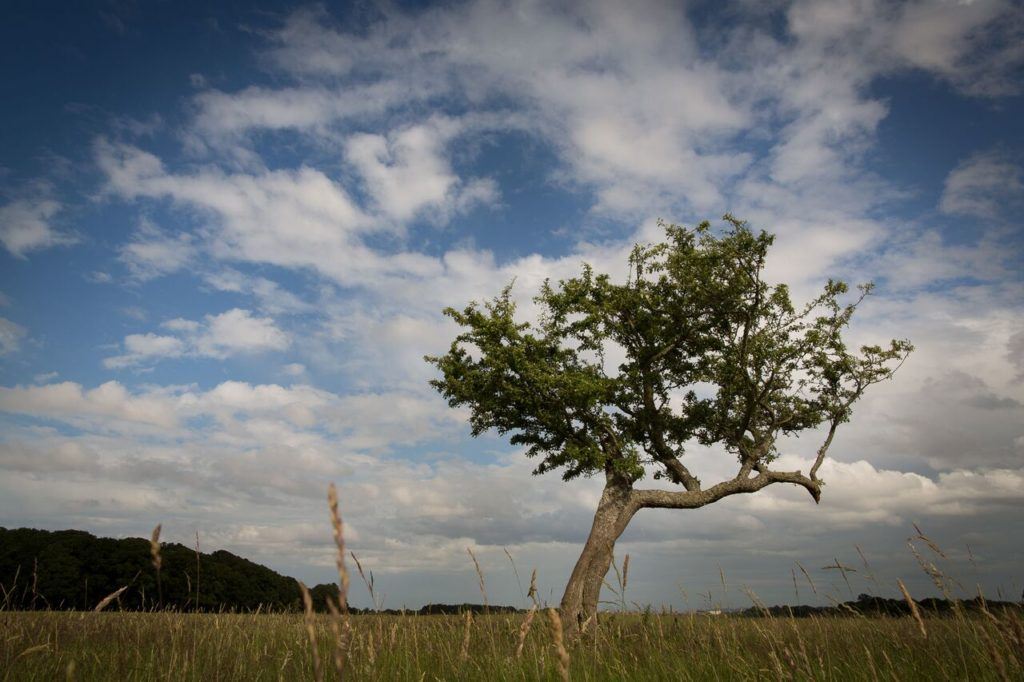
(50,645)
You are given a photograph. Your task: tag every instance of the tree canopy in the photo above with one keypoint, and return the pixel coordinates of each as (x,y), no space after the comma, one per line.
(695,347)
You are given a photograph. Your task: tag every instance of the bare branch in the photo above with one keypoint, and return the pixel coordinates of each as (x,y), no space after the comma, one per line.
(665,499)
(823,450)
(678,473)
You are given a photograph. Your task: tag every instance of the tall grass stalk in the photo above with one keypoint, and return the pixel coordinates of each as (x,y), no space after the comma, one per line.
(158,562)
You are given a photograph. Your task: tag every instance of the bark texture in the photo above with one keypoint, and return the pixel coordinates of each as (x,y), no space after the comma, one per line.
(579,602)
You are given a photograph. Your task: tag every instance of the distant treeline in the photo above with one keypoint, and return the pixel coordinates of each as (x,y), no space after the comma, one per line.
(74,570)
(869,605)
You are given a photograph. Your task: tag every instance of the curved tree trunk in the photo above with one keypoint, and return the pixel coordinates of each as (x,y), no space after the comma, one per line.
(579,602)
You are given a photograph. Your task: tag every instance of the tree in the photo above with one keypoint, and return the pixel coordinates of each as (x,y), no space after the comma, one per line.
(618,379)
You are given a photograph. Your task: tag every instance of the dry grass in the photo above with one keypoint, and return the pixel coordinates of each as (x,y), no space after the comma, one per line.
(105,602)
(914,611)
(559,644)
(43,645)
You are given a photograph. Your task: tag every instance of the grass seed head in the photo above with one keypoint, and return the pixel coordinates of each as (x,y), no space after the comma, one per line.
(339,541)
(558,640)
(914,611)
(154,548)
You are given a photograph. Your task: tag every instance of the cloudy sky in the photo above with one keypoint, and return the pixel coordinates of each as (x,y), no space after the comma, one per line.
(227,233)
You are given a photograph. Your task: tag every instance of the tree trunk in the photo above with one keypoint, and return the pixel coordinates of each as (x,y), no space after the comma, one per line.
(579,602)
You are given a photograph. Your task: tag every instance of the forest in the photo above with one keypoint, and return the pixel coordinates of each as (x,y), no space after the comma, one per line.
(75,570)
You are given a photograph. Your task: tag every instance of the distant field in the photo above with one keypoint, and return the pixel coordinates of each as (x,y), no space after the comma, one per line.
(46,645)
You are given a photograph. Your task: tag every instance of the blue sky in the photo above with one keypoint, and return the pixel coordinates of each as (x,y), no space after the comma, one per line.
(227,233)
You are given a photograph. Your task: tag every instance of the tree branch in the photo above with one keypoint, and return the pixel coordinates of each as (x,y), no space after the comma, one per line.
(665,499)
(679,473)
(823,450)
(676,470)
(668,348)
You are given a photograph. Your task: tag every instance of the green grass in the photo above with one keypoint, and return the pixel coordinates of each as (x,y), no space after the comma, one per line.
(51,645)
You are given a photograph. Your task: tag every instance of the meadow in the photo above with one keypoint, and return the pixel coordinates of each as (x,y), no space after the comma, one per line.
(52,645)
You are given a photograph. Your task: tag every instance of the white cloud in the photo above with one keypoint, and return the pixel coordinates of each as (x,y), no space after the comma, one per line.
(153,252)
(144,347)
(223,117)
(26,225)
(110,401)
(635,109)
(297,218)
(859,493)
(270,296)
(295,369)
(11,335)
(275,436)
(233,332)
(406,172)
(985,185)
(917,259)
(634,119)
(975,45)
(180,324)
(237,331)
(151,344)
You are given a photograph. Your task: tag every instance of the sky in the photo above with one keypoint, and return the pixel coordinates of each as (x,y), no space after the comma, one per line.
(228,231)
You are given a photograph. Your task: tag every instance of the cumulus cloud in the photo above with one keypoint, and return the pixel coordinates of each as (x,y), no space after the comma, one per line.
(406,172)
(27,225)
(139,347)
(973,45)
(299,219)
(235,440)
(110,401)
(858,493)
(232,332)
(631,120)
(237,331)
(651,126)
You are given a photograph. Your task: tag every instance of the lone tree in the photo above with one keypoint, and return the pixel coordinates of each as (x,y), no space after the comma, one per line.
(617,379)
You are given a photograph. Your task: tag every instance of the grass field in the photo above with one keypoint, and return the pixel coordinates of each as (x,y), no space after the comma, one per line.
(48,645)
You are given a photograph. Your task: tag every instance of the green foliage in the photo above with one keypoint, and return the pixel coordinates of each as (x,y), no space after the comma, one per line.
(72,569)
(694,347)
